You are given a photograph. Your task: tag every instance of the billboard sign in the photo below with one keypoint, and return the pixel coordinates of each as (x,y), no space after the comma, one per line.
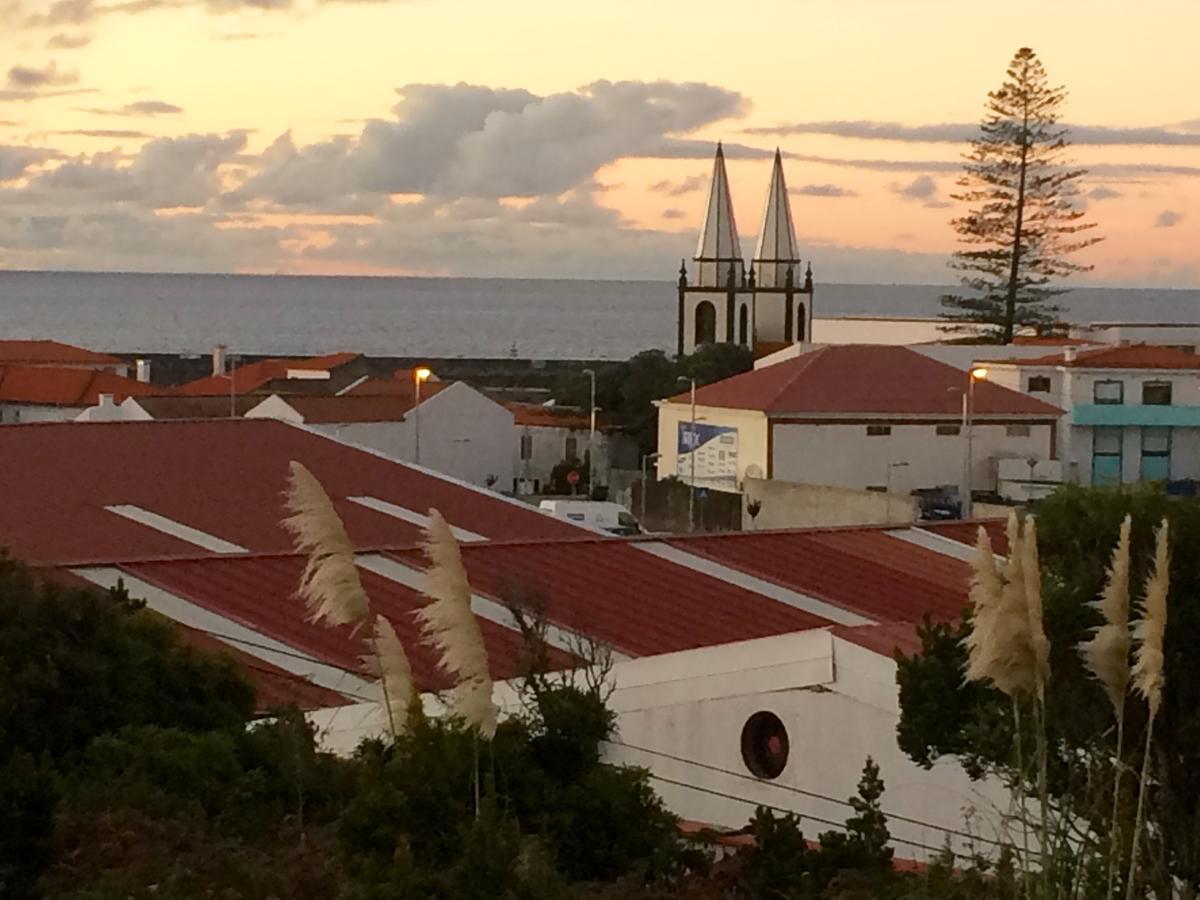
(714,450)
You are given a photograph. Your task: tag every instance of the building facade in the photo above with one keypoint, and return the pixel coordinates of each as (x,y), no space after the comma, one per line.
(765,308)
(860,416)
(1131,413)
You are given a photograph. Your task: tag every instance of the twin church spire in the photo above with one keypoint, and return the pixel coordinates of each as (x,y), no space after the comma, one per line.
(719,249)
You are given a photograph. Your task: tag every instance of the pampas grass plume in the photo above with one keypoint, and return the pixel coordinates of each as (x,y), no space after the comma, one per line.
(389,664)
(1106,654)
(1151,627)
(999,648)
(1031,570)
(986,586)
(451,627)
(330,584)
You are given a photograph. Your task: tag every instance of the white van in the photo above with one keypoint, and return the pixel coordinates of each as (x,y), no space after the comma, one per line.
(611,517)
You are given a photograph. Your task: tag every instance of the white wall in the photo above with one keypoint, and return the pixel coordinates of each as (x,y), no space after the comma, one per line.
(548,447)
(11,413)
(785,504)
(750,424)
(128,410)
(463,434)
(838,703)
(845,455)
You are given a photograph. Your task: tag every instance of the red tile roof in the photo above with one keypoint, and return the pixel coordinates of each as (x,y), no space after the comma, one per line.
(52,353)
(1049,340)
(253,376)
(317,409)
(56,386)
(534,415)
(1128,356)
(221,476)
(876,380)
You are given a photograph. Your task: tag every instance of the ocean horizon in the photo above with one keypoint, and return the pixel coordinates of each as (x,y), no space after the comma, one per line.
(552,318)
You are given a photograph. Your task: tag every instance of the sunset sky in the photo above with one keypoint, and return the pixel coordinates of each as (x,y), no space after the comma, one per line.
(521,138)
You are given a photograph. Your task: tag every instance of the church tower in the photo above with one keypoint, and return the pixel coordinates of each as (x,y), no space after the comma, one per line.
(763,310)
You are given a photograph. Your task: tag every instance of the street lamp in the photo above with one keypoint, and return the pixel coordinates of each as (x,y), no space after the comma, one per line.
(977,373)
(592,436)
(420,374)
(887,491)
(232,366)
(648,458)
(693,444)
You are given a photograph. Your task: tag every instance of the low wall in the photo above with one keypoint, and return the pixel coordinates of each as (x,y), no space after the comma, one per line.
(785,504)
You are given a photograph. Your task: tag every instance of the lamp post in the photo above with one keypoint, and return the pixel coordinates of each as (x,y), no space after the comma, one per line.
(232,365)
(420,374)
(648,458)
(887,491)
(591,436)
(977,373)
(693,444)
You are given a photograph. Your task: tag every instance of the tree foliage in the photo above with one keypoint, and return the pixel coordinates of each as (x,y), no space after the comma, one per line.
(940,716)
(1023,224)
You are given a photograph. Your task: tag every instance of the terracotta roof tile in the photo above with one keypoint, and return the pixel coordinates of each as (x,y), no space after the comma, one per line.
(55,386)
(534,415)
(318,409)
(253,376)
(51,353)
(865,379)
(1127,356)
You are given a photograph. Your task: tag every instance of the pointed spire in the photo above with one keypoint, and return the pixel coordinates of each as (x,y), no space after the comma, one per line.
(718,247)
(776,252)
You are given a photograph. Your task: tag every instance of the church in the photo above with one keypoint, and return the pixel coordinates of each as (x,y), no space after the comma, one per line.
(766,308)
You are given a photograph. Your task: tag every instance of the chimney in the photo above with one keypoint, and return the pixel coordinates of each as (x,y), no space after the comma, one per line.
(218,357)
(1069,355)
(105,400)
(143,371)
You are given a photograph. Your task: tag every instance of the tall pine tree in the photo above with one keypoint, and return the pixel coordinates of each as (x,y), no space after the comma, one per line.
(1023,224)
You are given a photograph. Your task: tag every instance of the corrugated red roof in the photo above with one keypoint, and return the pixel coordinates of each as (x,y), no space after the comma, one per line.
(59,386)
(968,532)
(221,476)
(861,569)
(635,601)
(1127,356)
(864,379)
(52,353)
(259,593)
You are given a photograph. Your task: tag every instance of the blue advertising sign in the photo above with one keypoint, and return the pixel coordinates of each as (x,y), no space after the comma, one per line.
(707,455)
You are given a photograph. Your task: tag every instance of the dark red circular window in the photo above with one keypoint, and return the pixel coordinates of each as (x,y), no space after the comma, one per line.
(764,745)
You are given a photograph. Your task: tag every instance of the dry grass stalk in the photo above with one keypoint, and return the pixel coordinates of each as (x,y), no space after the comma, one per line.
(1147,675)
(986,586)
(389,663)
(1106,654)
(451,627)
(1150,629)
(1031,570)
(330,584)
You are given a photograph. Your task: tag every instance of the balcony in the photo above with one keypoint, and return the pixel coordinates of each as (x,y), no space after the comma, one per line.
(1119,414)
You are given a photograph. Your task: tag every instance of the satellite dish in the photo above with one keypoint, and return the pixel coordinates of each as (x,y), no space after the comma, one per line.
(754,470)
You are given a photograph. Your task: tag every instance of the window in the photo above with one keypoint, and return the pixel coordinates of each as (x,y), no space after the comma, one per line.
(1038,384)
(1106,456)
(878,430)
(744,326)
(1017,431)
(1156,393)
(1109,392)
(571,450)
(527,446)
(765,745)
(800,322)
(1156,454)
(948,430)
(706,323)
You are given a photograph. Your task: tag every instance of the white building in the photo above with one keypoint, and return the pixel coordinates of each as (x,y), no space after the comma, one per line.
(862,416)
(548,437)
(461,432)
(768,307)
(1131,413)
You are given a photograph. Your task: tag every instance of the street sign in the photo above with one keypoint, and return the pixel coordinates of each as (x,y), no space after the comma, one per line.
(572,478)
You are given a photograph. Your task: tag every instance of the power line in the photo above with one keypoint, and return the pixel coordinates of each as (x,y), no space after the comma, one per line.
(802,792)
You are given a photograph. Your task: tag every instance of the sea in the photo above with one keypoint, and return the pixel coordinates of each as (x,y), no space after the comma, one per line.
(436,317)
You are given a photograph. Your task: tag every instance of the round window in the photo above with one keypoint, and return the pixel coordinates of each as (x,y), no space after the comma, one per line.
(764,745)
